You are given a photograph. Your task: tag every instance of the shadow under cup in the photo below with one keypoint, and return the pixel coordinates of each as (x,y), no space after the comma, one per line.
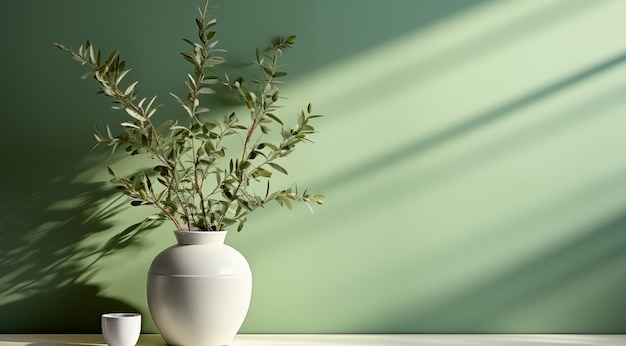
(121,328)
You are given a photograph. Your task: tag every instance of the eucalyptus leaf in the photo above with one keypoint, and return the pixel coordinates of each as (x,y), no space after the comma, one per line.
(130,125)
(210,80)
(134,114)
(277,167)
(206,91)
(244,165)
(275,118)
(130,88)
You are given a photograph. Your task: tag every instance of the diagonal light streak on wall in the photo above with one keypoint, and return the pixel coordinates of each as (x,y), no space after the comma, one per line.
(461,67)
(501,123)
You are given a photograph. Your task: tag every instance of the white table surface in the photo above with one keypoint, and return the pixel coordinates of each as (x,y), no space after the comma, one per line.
(339,339)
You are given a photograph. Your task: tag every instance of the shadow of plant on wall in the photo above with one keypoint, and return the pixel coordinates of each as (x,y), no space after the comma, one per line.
(48,251)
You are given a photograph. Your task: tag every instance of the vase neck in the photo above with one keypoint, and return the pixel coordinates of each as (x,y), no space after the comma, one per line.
(200,237)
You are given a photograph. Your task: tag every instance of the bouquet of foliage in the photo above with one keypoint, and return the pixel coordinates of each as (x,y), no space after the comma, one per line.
(198,182)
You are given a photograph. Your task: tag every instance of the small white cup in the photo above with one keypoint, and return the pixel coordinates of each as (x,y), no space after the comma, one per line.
(121,328)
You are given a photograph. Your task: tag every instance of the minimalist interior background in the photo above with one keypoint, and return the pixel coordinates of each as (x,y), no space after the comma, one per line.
(472,156)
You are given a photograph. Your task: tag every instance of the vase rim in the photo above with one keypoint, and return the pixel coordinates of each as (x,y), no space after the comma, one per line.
(200,237)
(198,230)
(121,315)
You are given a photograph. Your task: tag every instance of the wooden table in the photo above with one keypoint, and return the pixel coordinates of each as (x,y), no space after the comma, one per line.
(339,340)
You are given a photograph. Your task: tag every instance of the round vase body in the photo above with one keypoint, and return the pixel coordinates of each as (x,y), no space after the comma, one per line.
(199,290)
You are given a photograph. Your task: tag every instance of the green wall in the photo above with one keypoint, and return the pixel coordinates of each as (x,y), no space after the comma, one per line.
(472,156)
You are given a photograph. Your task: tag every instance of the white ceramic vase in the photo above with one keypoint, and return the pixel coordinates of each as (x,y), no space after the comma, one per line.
(199,290)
